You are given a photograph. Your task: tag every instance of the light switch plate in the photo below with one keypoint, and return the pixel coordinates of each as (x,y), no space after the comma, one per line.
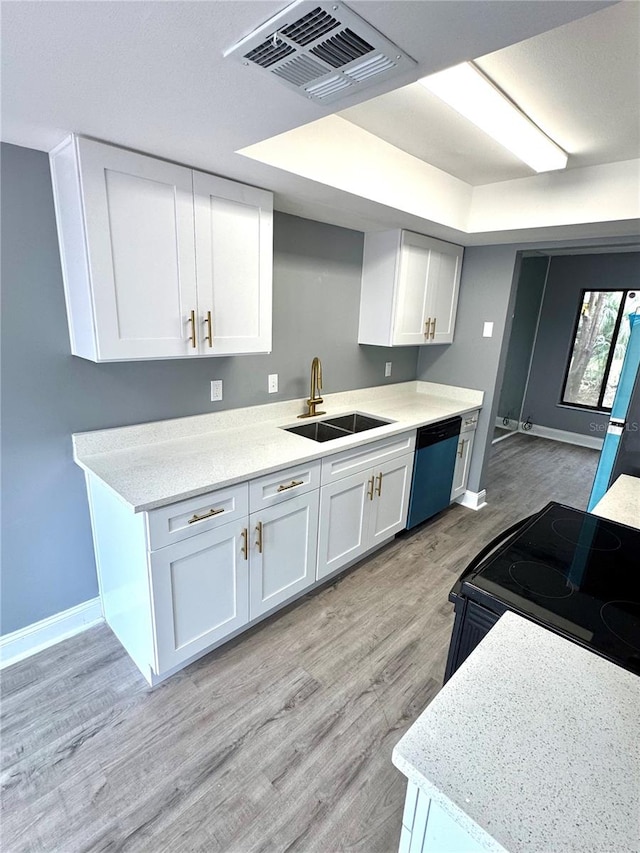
(273,383)
(487,330)
(216,390)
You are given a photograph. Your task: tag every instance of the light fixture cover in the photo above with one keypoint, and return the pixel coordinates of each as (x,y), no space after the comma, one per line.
(465,88)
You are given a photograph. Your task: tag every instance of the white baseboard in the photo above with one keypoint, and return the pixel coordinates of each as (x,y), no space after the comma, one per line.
(40,635)
(592,441)
(473,500)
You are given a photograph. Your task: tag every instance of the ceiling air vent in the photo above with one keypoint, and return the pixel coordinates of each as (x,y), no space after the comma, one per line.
(323,51)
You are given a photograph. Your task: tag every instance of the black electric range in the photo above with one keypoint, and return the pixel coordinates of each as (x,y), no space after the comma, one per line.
(568,570)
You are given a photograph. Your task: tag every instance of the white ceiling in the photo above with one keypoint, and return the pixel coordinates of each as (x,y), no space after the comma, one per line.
(151,76)
(580,83)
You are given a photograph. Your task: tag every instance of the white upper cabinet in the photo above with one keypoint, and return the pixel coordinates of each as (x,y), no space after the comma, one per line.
(160,261)
(234,236)
(409,290)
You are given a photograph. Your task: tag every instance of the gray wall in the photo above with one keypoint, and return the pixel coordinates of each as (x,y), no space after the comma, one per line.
(486,293)
(568,276)
(47,556)
(533,274)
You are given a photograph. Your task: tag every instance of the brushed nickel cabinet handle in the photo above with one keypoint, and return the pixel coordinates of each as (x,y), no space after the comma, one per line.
(461,447)
(379,486)
(291,485)
(245,543)
(259,539)
(370,489)
(209,514)
(192,336)
(426,327)
(209,335)
(433,328)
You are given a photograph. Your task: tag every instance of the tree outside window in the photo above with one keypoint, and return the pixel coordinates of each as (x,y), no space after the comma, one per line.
(599,346)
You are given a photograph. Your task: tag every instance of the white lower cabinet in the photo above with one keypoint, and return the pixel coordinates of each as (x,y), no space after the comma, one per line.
(463,458)
(392,483)
(200,592)
(282,559)
(343,522)
(178,580)
(427,828)
(361,511)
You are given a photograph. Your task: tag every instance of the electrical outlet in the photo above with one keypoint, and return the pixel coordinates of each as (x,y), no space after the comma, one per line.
(273,383)
(216,390)
(387,368)
(487,330)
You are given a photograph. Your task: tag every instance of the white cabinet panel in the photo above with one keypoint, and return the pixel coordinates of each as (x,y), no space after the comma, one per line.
(343,530)
(284,561)
(193,516)
(411,299)
(427,828)
(443,284)
(200,593)
(234,270)
(340,465)
(392,483)
(138,225)
(283,485)
(463,457)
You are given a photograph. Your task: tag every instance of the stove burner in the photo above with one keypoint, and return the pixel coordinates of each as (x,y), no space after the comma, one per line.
(586,533)
(541,580)
(622,618)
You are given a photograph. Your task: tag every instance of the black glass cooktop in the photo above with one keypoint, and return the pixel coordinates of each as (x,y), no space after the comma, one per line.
(575,573)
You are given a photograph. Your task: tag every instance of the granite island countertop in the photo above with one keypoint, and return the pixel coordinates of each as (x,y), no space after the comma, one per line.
(621,501)
(155,464)
(533,746)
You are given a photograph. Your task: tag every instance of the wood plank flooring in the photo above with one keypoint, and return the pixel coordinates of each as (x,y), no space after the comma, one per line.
(279,741)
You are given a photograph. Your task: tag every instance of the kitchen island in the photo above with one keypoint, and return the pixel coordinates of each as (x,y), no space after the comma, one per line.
(533,745)
(621,501)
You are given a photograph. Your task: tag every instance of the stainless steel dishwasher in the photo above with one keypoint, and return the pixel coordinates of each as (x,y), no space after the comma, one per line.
(435,460)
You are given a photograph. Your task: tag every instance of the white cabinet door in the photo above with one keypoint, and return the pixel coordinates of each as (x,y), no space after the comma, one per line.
(200,591)
(392,482)
(442,286)
(410,325)
(234,255)
(344,517)
(361,511)
(463,461)
(283,551)
(140,242)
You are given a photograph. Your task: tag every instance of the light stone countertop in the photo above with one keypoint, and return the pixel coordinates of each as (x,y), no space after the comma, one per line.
(621,502)
(151,465)
(533,746)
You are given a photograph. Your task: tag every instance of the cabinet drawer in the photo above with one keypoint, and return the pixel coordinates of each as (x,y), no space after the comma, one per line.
(275,488)
(188,518)
(359,459)
(469,422)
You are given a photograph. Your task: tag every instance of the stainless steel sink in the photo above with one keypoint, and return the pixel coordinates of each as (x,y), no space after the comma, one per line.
(339,427)
(355,422)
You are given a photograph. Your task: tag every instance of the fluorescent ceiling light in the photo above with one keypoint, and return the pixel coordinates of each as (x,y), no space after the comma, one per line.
(474,96)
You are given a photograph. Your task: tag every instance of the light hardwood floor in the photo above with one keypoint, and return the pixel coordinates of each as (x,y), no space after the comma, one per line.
(279,741)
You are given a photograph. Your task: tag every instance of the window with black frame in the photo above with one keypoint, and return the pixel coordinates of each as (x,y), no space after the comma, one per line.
(600,339)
